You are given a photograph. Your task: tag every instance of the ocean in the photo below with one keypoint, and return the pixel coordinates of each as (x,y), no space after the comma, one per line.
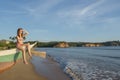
(87,63)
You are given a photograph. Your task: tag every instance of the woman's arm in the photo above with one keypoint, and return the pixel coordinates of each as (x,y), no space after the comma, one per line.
(25,33)
(18,41)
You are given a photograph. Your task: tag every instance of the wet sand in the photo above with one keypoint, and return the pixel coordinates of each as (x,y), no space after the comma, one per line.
(40,69)
(20,71)
(49,68)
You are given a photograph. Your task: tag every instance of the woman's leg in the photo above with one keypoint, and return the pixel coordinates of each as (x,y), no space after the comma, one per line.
(24,57)
(31,46)
(29,49)
(23,53)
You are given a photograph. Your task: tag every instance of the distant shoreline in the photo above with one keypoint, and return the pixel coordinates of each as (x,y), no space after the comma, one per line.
(5,44)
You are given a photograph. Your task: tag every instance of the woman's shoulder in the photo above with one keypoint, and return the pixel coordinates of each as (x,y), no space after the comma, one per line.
(17,37)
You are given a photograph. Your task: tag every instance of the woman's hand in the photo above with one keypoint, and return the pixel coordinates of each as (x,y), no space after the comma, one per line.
(26,32)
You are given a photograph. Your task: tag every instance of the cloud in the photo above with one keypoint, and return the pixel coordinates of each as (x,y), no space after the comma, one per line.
(82,13)
(76,15)
(41,8)
(100,12)
(91,6)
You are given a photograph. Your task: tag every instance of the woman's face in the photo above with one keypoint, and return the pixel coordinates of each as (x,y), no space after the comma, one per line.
(21,31)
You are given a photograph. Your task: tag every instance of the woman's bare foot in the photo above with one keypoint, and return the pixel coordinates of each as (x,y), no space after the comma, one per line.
(25,62)
(31,46)
(30,57)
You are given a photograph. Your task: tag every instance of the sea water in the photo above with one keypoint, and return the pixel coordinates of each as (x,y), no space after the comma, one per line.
(88,63)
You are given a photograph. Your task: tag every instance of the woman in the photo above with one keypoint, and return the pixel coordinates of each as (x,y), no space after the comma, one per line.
(21,46)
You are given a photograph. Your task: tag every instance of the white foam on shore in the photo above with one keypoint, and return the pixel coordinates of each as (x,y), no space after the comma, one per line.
(83,64)
(72,69)
(74,74)
(84,71)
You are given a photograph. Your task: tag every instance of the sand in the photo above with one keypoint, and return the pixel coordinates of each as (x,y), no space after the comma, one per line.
(21,71)
(49,68)
(38,69)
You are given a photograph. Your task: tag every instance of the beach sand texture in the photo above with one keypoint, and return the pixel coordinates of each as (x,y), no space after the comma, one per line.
(20,71)
(49,68)
(45,69)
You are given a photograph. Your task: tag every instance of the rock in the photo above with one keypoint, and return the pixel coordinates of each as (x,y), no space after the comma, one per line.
(62,45)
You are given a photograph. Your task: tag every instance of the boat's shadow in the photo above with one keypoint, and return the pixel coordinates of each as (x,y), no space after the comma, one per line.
(16,56)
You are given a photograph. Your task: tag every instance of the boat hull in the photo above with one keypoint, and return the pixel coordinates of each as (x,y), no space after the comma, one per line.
(8,58)
(11,57)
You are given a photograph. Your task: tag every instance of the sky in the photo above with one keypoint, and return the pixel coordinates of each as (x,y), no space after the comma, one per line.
(61,20)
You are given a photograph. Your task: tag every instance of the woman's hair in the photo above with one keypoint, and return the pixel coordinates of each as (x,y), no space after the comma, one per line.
(18,31)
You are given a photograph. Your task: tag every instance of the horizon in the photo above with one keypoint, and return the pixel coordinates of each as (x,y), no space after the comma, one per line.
(61,20)
(66,41)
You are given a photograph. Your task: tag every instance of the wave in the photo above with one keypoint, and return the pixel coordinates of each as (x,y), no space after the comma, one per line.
(73,71)
(114,57)
(88,63)
(86,71)
(106,48)
(67,68)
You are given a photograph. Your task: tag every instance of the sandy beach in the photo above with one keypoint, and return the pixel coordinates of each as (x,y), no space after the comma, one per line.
(49,68)
(37,69)
(21,71)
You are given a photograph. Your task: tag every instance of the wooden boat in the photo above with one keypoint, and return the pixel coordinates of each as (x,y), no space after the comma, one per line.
(10,55)
(8,58)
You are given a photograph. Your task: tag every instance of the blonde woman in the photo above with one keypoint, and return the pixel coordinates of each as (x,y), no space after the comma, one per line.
(21,46)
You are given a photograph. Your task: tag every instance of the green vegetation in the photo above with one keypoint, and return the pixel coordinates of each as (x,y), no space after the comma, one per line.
(76,44)
(5,44)
(111,43)
(46,44)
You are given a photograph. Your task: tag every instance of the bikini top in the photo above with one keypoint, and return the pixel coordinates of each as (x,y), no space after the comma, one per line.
(20,39)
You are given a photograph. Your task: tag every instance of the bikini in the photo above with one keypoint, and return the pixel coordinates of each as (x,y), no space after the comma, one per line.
(19,44)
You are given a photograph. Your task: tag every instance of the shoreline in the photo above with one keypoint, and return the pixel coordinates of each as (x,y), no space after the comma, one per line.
(39,68)
(49,68)
(21,71)
(5,66)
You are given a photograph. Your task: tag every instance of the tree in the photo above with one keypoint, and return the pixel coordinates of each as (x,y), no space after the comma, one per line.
(12,38)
